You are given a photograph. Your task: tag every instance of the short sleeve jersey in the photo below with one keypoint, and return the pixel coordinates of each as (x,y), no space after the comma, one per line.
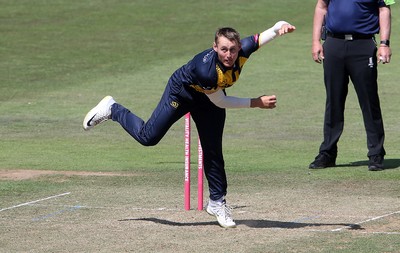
(353,16)
(206,72)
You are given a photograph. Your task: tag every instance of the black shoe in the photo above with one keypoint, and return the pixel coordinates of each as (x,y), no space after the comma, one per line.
(322,161)
(375,163)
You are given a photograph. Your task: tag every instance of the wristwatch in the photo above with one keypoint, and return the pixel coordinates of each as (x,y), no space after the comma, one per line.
(385,42)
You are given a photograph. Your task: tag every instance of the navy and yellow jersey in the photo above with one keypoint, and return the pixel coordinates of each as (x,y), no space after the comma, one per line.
(206,72)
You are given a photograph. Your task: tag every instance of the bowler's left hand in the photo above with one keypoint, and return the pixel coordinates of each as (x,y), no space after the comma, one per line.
(286,28)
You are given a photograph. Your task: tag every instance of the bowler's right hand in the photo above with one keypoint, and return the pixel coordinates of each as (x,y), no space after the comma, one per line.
(264,102)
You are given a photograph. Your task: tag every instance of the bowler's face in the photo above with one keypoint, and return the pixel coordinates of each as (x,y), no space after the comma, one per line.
(227,51)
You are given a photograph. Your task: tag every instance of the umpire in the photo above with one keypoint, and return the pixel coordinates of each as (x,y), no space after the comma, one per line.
(350,52)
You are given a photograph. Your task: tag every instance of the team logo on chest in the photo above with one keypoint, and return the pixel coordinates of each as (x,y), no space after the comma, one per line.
(228,78)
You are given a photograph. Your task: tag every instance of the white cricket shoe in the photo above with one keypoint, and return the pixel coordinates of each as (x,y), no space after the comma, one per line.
(100,113)
(222,212)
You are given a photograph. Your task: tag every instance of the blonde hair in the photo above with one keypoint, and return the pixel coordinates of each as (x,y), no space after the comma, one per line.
(229,33)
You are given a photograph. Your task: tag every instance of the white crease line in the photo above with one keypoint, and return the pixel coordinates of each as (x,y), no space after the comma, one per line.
(362,222)
(35,201)
(382,233)
(114,207)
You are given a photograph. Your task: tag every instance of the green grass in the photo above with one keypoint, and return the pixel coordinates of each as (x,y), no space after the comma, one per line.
(59,58)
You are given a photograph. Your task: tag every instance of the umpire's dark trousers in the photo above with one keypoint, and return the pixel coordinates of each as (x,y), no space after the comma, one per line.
(353,60)
(176,101)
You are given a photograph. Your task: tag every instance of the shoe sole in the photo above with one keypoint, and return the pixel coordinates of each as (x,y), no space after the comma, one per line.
(224,226)
(374,168)
(321,167)
(90,115)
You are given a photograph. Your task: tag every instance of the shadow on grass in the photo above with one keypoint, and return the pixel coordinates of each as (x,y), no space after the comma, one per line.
(248,223)
(388,163)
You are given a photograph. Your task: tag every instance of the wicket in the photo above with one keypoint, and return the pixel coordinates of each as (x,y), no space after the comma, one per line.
(187,168)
